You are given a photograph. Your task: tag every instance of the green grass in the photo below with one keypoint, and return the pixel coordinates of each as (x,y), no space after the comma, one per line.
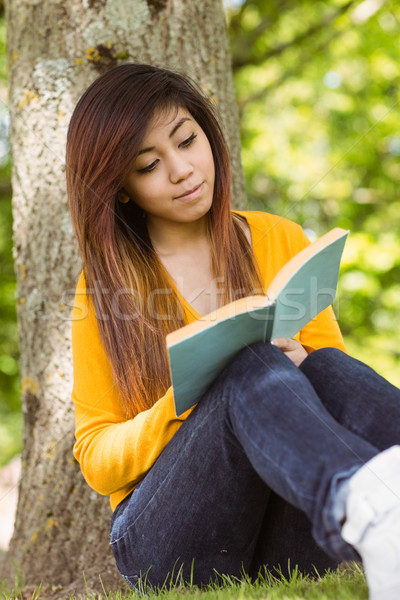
(347,584)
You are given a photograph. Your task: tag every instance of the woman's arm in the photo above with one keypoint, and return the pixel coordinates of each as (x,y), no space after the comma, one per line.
(114,452)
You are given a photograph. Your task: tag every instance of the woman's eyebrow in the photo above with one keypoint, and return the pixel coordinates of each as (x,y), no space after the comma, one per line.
(178,124)
(173,131)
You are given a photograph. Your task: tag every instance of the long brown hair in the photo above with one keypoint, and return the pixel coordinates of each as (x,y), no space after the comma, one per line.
(121,268)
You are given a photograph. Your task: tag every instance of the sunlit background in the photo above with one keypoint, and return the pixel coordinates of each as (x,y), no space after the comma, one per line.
(318,90)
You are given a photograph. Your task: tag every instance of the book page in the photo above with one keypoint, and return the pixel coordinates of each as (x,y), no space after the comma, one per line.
(309,290)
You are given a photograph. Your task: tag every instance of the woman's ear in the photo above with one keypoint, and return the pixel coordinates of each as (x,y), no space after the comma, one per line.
(123,196)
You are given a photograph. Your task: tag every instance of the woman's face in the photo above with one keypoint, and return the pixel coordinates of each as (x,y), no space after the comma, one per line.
(173,175)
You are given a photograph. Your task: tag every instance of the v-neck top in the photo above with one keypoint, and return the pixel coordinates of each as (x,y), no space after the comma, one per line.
(115,453)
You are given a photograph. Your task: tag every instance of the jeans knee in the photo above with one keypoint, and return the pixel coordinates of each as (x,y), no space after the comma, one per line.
(323,360)
(260,353)
(260,367)
(259,373)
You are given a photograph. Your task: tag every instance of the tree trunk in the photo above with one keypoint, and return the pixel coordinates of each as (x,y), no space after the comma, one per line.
(56,48)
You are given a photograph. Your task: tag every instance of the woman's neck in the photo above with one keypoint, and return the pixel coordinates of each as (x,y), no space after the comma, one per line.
(171,238)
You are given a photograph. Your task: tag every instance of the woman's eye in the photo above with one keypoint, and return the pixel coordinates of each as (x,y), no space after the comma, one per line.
(185,144)
(189,141)
(149,167)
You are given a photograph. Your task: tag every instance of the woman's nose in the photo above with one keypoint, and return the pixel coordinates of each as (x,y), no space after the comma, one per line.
(180,168)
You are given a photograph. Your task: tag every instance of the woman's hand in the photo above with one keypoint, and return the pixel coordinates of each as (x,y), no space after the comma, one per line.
(293,349)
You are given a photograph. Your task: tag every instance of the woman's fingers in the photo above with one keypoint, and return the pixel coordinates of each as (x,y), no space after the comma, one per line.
(292,348)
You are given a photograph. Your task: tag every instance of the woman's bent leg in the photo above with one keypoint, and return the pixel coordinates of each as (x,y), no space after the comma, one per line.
(292,441)
(260,426)
(356,396)
(285,542)
(197,512)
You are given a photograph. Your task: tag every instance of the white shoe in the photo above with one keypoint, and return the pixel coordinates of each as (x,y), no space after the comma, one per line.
(372,523)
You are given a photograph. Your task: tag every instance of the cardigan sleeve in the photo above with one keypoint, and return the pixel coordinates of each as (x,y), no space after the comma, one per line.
(114,453)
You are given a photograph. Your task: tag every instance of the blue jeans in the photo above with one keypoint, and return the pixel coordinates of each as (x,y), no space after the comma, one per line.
(251,477)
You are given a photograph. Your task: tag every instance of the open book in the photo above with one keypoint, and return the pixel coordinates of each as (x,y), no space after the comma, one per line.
(304,286)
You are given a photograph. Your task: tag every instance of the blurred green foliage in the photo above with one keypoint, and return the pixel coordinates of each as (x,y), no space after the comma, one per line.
(318,90)
(10,409)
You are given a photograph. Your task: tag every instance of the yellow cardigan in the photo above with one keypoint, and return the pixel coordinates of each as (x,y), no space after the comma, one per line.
(115,453)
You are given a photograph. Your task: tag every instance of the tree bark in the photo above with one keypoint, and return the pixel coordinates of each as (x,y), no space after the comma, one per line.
(56,48)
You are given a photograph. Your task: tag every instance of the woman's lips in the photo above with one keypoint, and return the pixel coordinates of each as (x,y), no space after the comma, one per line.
(191,194)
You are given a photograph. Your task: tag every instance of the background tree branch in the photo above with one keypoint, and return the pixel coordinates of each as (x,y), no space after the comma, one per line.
(245,49)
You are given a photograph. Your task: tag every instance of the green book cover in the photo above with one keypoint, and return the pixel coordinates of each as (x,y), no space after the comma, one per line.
(304,287)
